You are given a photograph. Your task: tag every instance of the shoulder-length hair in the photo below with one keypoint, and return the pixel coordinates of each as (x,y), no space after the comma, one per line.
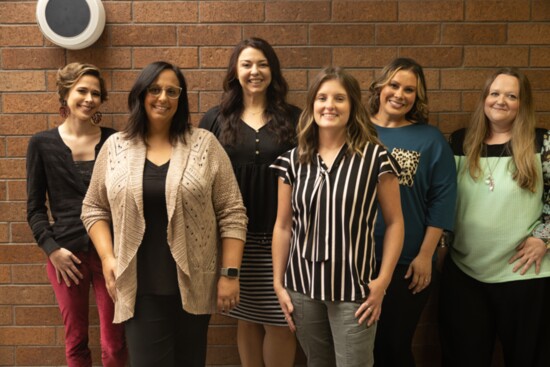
(419,111)
(69,75)
(277,110)
(523,133)
(360,129)
(137,122)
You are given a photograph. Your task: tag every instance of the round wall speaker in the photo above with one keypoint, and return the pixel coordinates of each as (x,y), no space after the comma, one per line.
(72,24)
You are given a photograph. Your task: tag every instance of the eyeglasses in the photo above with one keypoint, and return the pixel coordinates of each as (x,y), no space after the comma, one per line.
(171,92)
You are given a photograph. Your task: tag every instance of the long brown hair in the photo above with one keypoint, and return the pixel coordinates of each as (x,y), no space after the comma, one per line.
(360,129)
(522,143)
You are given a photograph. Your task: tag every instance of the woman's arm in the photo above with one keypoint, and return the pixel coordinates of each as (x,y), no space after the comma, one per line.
(420,269)
(390,204)
(100,234)
(280,248)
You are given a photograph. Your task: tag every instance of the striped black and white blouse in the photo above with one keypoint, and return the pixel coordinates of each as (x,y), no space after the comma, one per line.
(332,247)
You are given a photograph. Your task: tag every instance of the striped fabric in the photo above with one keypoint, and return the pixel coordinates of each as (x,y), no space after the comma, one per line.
(258,302)
(332,248)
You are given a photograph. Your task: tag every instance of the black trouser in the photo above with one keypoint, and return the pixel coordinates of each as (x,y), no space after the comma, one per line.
(401,311)
(161,333)
(472,314)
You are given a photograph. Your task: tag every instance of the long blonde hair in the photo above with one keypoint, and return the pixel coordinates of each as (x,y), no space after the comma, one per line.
(360,129)
(522,143)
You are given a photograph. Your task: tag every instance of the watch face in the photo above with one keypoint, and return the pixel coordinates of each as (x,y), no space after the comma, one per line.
(232,272)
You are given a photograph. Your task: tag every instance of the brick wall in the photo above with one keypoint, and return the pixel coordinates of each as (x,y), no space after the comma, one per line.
(459,42)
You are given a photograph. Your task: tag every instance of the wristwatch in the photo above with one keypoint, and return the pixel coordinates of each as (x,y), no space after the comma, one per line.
(232,273)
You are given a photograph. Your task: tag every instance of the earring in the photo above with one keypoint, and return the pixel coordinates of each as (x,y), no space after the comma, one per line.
(96,118)
(64,110)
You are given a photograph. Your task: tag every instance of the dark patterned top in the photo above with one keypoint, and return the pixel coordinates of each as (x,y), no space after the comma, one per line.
(332,247)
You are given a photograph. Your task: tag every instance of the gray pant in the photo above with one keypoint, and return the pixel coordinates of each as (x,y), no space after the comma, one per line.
(329,333)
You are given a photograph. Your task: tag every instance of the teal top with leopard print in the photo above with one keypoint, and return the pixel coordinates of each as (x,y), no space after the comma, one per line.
(427,183)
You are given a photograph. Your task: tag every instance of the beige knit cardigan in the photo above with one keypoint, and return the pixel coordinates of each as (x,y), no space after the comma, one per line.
(203,202)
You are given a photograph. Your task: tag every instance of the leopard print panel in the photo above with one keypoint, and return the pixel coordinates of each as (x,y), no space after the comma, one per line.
(408,161)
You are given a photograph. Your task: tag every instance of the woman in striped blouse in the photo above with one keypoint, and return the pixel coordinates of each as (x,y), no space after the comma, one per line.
(323,246)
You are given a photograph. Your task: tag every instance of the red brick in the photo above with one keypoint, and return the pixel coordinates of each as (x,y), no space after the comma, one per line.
(12,211)
(29,274)
(165,12)
(4,233)
(11,168)
(540,10)
(6,316)
(7,356)
(17,13)
(532,33)
(501,10)
(5,277)
(3,190)
(118,11)
(540,56)
(464,79)
(209,35)
(434,56)
(470,100)
(304,57)
(542,101)
(17,146)
(22,81)
(26,295)
(117,103)
(297,11)
(496,56)
(21,124)
(215,57)
(204,80)
(222,335)
(231,12)
(341,34)
(140,35)
(30,103)
(17,190)
(20,35)
(209,100)
(473,34)
(120,121)
(26,335)
(123,80)
(193,101)
(297,99)
(41,356)
(296,79)
(364,57)
(3,147)
(432,78)
(33,58)
(543,120)
(278,34)
(540,79)
(37,316)
(21,254)
(108,58)
(444,101)
(364,11)
(183,57)
(407,34)
(446,11)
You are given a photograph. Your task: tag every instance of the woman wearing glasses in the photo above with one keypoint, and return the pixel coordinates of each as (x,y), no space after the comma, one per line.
(178,221)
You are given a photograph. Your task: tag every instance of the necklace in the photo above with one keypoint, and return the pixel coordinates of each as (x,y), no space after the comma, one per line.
(490,180)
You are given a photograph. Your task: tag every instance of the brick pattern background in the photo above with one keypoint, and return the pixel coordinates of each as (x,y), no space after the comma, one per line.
(459,42)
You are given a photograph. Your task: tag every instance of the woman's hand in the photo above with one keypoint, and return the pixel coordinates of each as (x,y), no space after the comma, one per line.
(109,273)
(65,264)
(371,309)
(529,252)
(228,293)
(286,306)
(420,269)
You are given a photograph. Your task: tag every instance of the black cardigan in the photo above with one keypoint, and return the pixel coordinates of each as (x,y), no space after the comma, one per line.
(52,172)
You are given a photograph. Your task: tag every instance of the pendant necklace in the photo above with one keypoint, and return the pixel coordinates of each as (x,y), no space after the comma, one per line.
(490,180)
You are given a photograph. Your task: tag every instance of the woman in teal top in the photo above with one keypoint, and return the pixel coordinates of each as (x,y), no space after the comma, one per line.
(427,184)
(495,280)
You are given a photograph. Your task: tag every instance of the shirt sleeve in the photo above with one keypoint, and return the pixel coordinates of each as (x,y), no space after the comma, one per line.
(543,229)
(37,187)
(387,163)
(283,167)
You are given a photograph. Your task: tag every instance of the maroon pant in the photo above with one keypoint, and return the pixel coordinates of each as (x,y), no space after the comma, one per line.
(74,305)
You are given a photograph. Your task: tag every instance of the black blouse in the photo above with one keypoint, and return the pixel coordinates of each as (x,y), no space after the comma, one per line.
(251,157)
(52,174)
